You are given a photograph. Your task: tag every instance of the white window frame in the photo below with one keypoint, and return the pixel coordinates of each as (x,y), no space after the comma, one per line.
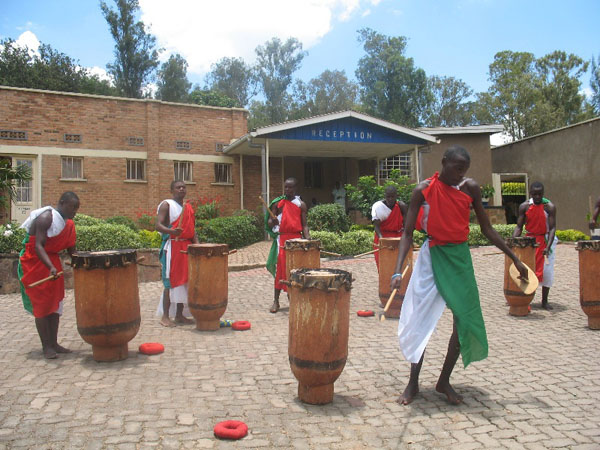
(401,162)
(183,170)
(133,169)
(22,187)
(70,161)
(223,173)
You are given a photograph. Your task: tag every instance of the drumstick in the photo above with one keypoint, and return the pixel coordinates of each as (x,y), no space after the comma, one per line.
(367,253)
(43,280)
(389,302)
(493,253)
(330,253)
(273,216)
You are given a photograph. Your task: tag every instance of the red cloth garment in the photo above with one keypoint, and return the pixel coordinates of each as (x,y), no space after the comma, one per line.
(45,298)
(290,227)
(179,261)
(390,227)
(452,225)
(536,226)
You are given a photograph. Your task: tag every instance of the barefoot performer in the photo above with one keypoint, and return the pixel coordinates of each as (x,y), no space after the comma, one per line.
(443,275)
(289,223)
(177,224)
(388,218)
(49,231)
(538,214)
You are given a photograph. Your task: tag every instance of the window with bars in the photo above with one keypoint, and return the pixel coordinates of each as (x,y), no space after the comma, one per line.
(72,168)
(312,174)
(183,145)
(219,146)
(24,189)
(223,173)
(72,137)
(134,140)
(13,135)
(183,171)
(136,169)
(401,163)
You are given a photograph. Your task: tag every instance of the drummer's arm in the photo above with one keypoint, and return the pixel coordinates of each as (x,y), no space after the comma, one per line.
(42,224)
(305,232)
(162,219)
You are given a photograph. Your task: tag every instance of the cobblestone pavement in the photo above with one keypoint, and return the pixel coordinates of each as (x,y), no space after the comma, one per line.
(539,388)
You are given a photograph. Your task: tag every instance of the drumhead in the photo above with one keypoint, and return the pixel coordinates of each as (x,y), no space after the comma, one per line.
(104,259)
(323,279)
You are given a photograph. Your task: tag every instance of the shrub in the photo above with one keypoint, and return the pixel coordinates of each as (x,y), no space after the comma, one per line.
(329,240)
(328,217)
(150,239)
(11,238)
(206,208)
(355,242)
(571,235)
(84,220)
(146,222)
(476,237)
(122,220)
(106,237)
(235,231)
(368,227)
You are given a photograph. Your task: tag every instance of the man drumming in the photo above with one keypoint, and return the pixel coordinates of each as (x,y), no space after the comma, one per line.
(388,218)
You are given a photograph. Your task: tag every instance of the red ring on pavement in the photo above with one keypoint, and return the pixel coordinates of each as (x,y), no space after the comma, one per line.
(241,325)
(365,313)
(231,429)
(151,348)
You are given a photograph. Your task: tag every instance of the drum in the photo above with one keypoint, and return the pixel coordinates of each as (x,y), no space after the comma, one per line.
(524,248)
(318,330)
(388,256)
(301,254)
(208,284)
(589,287)
(107,303)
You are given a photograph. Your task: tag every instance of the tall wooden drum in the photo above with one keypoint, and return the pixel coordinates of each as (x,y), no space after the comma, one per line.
(207,284)
(589,286)
(524,248)
(301,254)
(318,330)
(388,256)
(107,303)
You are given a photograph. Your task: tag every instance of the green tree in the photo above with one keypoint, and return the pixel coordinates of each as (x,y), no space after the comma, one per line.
(449,106)
(329,92)
(233,78)
(275,65)
(595,85)
(173,85)
(135,54)
(210,98)
(9,178)
(391,87)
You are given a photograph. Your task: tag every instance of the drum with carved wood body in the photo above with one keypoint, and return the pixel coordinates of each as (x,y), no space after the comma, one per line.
(589,281)
(524,248)
(388,255)
(301,254)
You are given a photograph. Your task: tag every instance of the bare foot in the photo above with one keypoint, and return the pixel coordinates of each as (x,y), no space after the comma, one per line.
(546,306)
(274,307)
(409,394)
(184,320)
(60,349)
(49,353)
(166,322)
(451,395)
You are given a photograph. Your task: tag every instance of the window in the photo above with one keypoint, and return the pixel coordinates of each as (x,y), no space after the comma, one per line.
(13,135)
(72,168)
(401,162)
(72,137)
(183,145)
(136,169)
(312,174)
(133,140)
(183,170)
(223,173)
(24,189)
(219,146)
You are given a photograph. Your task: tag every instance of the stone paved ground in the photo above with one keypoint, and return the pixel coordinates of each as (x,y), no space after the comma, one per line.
(539,389)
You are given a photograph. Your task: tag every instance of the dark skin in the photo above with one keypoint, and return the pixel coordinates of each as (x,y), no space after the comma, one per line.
(453,173)
(537,194)
(390,199)
(595,214)
(162,226)
(289,190)
(47,327)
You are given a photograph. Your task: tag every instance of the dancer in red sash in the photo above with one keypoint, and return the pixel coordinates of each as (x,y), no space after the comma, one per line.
(290,223)
(177,223)
(443,274)
(538,214)
(388,218)
(49,231)
(594,221)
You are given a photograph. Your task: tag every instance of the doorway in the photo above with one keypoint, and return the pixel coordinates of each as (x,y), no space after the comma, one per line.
(25,199)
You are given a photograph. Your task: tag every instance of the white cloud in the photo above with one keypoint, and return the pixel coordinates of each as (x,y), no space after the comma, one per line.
(29,39)
(366,12)
(205,32)
(101,73)
(587,93)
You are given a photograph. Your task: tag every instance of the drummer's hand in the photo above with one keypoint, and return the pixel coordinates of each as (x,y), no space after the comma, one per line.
(176,231)
(272,222)
(395,283)
(53,272)
(524,273)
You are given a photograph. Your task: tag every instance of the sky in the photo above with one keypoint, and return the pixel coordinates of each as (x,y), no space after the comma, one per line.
(456,38)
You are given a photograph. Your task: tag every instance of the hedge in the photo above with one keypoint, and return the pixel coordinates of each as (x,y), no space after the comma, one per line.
(235,231)
(11,238)
(328,217)
(106,237)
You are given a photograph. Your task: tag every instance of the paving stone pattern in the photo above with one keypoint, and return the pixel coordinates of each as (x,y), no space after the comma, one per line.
(539,388)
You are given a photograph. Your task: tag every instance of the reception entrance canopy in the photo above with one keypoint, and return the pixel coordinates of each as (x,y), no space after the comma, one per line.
(346,134)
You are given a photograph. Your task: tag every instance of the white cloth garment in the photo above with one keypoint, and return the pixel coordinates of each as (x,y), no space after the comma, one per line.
(296,201)
(380,211)
(421,310)
(57,225)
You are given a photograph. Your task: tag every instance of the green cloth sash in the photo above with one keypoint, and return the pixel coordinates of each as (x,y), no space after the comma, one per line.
(455,281)
(274,252)
(26,300)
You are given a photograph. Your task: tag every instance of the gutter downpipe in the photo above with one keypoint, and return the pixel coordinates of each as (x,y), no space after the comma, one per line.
(264,175)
